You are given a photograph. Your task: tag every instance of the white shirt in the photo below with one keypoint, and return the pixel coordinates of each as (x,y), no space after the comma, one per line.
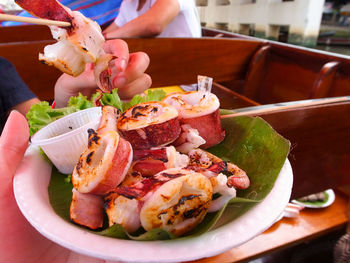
(185,24)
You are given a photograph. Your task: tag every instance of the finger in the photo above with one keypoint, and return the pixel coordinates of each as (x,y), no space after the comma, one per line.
(13,143)
(67,86)
(138,63)
(120,50)
(136,87)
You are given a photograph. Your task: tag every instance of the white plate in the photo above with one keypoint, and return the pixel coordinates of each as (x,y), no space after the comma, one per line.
(30,188)
(331,198)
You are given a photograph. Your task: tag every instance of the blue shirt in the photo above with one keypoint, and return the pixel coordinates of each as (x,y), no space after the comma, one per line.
(101,11)
(12,90)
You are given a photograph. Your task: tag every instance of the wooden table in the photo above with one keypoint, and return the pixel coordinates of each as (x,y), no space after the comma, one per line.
(310,224)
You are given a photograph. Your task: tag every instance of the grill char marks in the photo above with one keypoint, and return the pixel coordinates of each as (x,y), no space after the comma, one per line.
(149,124)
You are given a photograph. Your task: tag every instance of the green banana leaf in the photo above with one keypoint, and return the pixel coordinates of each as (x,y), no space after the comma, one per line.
(251,143)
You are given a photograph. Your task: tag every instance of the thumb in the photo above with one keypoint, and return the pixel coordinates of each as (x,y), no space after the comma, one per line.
(13,143)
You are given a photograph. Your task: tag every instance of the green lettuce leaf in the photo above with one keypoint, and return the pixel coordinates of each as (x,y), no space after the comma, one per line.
(42,114)
(251,143)
(113,99)
(80,102)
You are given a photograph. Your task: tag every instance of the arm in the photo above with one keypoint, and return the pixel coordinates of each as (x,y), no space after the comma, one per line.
(111,28)
(25,106)
(150,24)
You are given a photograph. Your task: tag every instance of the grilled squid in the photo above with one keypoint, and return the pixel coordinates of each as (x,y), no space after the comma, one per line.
(123,211)
(226,193)
(189,139)
(199,110)
(175,200)
(179,204)
(149,124)
(77,45)
(75,48)
(104,164)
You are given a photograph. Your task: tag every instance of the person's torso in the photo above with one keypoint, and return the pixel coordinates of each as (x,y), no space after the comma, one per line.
(186,23)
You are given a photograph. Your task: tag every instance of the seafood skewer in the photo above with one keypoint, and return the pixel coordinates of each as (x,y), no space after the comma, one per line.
(200,111)
(77,45)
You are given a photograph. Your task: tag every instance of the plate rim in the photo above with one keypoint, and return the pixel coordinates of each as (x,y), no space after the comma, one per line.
(203,246)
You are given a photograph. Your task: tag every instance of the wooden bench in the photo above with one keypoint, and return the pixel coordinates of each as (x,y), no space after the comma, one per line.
(9,34)
(39,77)
(280,72)
(319,145)
(24,33)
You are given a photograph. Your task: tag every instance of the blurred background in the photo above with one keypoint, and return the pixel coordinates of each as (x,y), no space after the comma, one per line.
(320,24)
(317,24)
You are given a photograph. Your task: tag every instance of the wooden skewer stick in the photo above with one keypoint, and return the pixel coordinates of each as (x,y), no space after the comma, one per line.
(307,103)
(39,21)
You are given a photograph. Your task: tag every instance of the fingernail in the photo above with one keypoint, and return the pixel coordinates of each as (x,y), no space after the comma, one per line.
(121,64)
(119,81)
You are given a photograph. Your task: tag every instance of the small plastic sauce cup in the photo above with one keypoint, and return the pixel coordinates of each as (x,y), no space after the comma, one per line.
(65,139)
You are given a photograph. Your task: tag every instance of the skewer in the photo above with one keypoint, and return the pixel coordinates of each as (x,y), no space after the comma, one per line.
(39,21)
(284,106)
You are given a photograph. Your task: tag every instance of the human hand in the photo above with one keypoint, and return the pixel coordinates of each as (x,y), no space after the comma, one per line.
(128,75)
(19,241)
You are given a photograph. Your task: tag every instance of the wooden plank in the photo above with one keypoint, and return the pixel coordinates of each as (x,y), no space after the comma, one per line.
(341,83)
(178,61)
(290,72)
(311,224)
(320,141)
(290,76)
(256,73)
(230,99)
(324,81)
(24,33)
(286,73)
(39,77)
